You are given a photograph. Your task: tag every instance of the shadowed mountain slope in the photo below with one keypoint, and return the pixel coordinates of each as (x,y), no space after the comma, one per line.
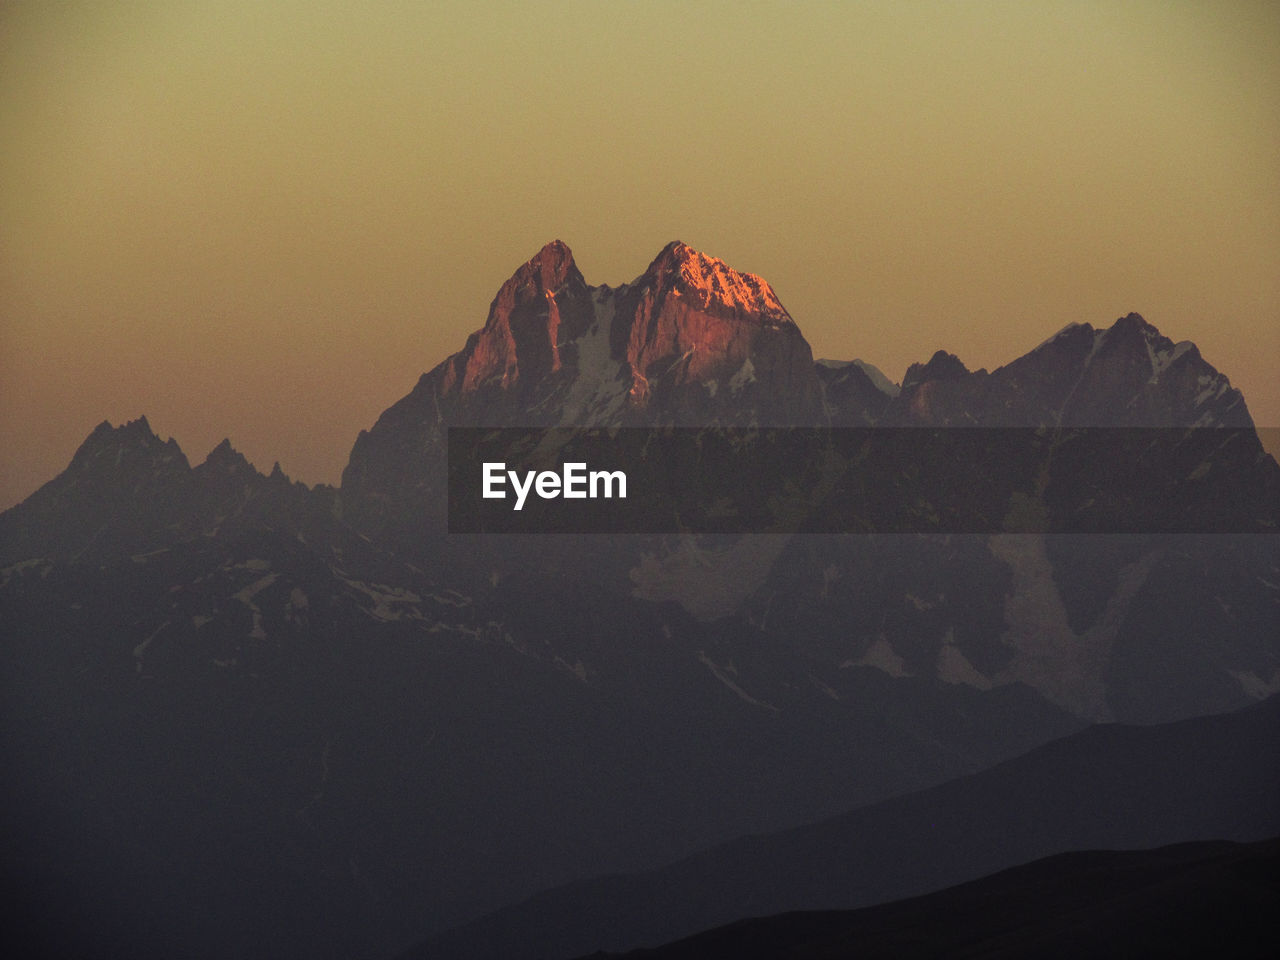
(1107,787)
(1189,900)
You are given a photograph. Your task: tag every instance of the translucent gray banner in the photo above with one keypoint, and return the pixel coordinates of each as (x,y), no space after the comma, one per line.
(874,480)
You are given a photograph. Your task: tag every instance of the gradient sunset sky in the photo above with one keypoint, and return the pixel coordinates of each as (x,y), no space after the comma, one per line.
(264,220)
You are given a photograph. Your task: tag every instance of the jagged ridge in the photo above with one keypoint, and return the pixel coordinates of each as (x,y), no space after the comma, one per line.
(128,491)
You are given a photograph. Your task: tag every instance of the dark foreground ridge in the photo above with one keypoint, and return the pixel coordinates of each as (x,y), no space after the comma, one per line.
(1110,786)
(1188,900)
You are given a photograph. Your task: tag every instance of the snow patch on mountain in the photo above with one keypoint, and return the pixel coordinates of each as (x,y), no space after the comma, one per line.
(1255,686)
(18,569)
(295,610)
(746,374)
(389,603)
(1067,668)
(140,650)
(954,667)
(1099,338)
(1048,655)
(708,583)
(576,669)
(825,688)
(149,555)
(598,391)
(1212,388)
(723,675)
(881,656)
(247,594)
(1056,336)
(1163,358)
(452,598)
(877,377)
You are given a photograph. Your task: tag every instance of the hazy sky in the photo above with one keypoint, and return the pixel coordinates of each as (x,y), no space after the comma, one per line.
(264,220)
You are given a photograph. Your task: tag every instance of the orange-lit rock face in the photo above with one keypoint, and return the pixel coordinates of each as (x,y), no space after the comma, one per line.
(698,310)
(690,331)
(691,323)
(711,285)
(521,338)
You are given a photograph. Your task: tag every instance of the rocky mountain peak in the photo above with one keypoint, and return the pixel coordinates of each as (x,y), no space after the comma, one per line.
(712,284)
(544,273)
(1133,322)
(134,432)
(941,366)
(129,446)
(1134,372)
(704,343)
(520,341)
(689,321)
(226,459)
(1128,374)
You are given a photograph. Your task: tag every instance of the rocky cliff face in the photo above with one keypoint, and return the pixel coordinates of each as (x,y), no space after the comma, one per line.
(544,304)
(702,343)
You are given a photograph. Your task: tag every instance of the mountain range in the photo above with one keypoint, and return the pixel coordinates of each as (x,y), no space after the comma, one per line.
(256,718)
